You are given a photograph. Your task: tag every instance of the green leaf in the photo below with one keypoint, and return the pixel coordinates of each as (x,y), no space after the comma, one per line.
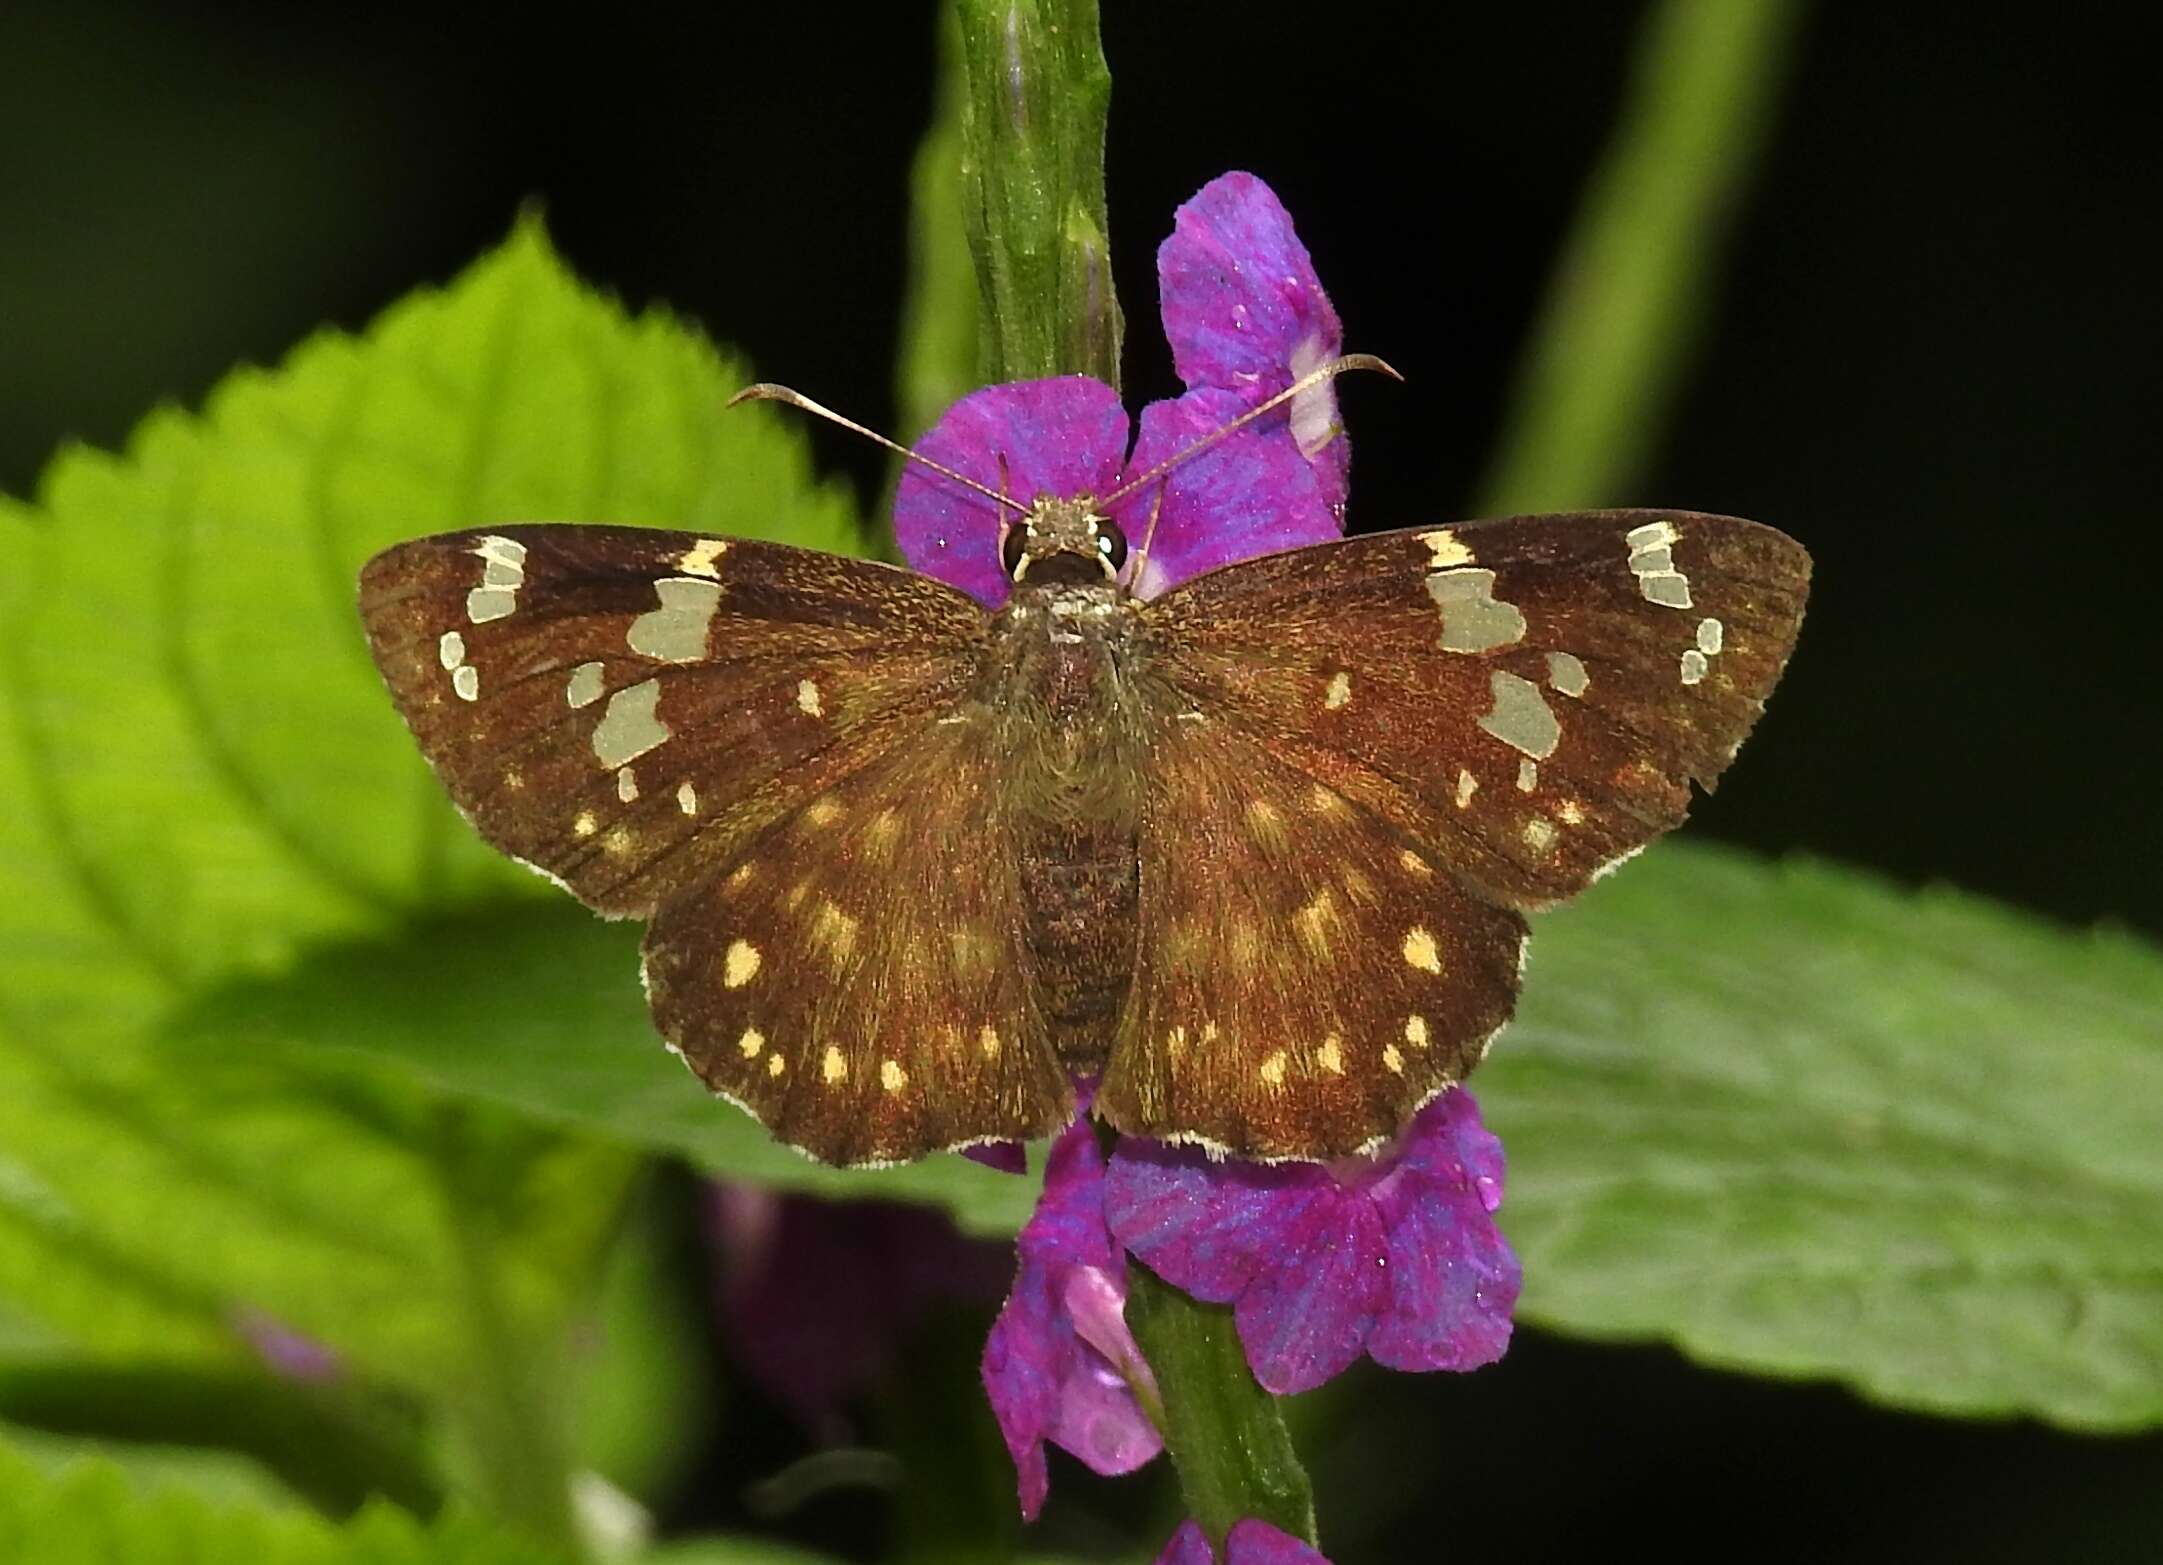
(731,1551)
(1800,1122)
(544,1006)
(938,364)
(93,1512)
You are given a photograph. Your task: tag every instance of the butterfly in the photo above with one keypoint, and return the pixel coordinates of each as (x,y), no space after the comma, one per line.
(1256,853)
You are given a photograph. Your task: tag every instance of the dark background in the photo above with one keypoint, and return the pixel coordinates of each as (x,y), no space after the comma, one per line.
(1935,356)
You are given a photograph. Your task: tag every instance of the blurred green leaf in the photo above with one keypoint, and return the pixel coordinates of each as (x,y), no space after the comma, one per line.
(1797,1121)
(94,1512)
(938,363)
(544,1006)
(731,1551)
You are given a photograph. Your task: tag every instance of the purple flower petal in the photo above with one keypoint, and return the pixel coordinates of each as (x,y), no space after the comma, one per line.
(1065,437)
(1188,1546)
(1252,1542)
(1252,493)
(1057,1363)
(1246,313)
(1204,1226)
(1305,1319)
(1453,1278)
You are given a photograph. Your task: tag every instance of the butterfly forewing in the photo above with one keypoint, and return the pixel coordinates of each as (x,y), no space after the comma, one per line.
(625,709)
(856,977)
(1528,699)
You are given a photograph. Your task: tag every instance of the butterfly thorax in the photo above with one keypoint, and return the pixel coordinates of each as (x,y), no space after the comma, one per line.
(1059,684)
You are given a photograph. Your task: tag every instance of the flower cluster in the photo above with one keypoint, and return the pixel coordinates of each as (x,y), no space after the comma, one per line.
(1395,1256)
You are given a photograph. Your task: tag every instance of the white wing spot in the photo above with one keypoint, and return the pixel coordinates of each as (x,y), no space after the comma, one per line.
(1521,717)
(1339,691)
(1420,950)
(451,648)
(630,725)
(1567,674)
(676,631)
(807,698)
(687,797)
(1473,618)
(1694,666)
(1539,834)
(583,688)
(1652,562)
(1528,775)
(626,785)
(585,825)
(738,966)
(1711,635)
(503,572)
(466,680)
(698,560)
(1467,785)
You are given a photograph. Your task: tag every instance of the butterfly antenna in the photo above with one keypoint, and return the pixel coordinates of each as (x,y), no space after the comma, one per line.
(1306,382)
(1149,533)
(766,391)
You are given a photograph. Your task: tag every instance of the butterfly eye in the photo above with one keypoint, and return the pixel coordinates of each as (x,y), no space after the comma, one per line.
(1111,543)
(1011,546)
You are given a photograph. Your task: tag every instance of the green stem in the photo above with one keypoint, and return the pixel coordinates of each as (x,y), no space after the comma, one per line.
(1623,307)
(1223,1431)
(1032,170)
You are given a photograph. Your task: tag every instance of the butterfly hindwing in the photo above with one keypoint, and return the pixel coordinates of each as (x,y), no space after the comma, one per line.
(1309,974)
(623,709)
(856,978)
(1530,698)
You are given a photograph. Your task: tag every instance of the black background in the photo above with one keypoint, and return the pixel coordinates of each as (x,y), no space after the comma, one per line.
(1935,356)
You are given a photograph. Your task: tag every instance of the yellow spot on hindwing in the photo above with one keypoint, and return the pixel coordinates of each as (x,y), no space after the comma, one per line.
(1393,1059)
(834,929)
(1331,1055)
(1272,1070)
(988,1041)
(775,1065)
(1314,922)
(833,1067)
(738,966)
(1339,691)
(1420,950)
(1413,862)
(585,825)
(1266,822)
(892,1077)
(807,698)
(822,811)
(1539,834)
(751,1042)
(1415,1031)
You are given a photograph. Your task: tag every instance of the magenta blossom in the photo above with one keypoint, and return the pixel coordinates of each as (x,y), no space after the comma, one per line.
(1249,1542)
(1396,1256)
(1246,317)
(1060,1364)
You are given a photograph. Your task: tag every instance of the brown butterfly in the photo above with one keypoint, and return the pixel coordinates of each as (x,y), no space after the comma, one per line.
(1257,851)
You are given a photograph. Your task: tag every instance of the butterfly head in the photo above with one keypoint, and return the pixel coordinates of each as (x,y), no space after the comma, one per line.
(1063,541)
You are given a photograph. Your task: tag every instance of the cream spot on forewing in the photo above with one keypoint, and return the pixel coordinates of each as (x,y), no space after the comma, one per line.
(451,648)
(1521,717)
(823,811)
(687,797)
(807,698)
(1393,1059)
(617,840)
(629,725)
(1652,562)
(1314,922)
(584,686)
(775,1065)
(585,825)
(1339,691)
(1711,635)
(892,1077)
(1473,618)
(1272,1071)
(1413,862)
(1567,674)
(1467,785)
(1693,666)
(1572,813)
(627,786)
(834,929)
(1420,950)
(739,964)
(698,560)
(1528,776)
(987,1041)
(676,631)
(833,1067)
(1447,549)
(1539,834)
(503,572)
(1415,1031)
(751,1042)
(1331,1055)
(466,680)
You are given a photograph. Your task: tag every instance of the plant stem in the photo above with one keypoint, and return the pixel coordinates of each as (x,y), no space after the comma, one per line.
(1622,310)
